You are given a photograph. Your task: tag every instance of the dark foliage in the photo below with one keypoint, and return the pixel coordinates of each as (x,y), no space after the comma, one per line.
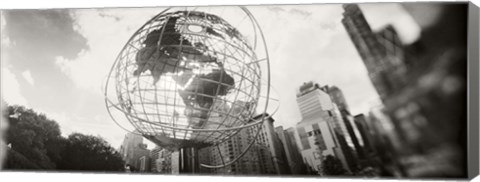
(36,144)
(89,153)
(18,161)
(32,136)
(332,166)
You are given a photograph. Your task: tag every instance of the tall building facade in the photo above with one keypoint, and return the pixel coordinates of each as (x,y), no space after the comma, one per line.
(379,51)
(423,121)
(132,149)
(294,158)
(315,133)
(265,156)
(154,157)
(175,162)
(226,152)
(350,130)
(338,98)
(144,162)
(365,131)
(232,148)
(164,162)
(354,133)
(270,140)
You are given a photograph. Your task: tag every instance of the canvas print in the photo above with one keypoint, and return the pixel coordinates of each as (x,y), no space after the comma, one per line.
(374,90)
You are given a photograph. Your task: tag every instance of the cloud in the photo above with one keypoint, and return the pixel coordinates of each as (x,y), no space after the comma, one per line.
(380,15)
(9,83)
(42,33)
(314,48)
(276,9)
(5,41)
(37,37)
(28,77)
(106,32)
(309,43)
(11,89)
(306,14)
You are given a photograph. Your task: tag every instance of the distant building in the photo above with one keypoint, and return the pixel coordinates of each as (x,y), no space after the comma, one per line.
(132,149)
(154,156)
(269,139)
(379,51)
(385,141)
(265,156)
(292,154)
(350,130)
(354,133)
(365,131)
(338,98)
(315,133)
(423,87)
(144,162)
(228,151)
(175,162)
(164,162)
(231,149)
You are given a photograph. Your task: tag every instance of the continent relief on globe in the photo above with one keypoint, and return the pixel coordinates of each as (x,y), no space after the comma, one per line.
(202,77)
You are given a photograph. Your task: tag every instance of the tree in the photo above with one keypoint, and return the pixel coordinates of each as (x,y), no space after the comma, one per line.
(89,153)
(368,172)
(18,161)
(35,140)
(331,166)
(36,144)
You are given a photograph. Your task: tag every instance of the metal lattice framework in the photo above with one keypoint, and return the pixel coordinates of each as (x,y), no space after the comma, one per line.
(189,78)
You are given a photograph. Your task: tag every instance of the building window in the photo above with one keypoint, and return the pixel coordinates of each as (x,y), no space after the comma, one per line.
(303,138)
(319,140)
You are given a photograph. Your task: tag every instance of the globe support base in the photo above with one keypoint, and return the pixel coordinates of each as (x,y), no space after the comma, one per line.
(188,160)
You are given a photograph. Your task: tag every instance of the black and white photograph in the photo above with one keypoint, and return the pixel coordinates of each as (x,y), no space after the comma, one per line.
(353,90)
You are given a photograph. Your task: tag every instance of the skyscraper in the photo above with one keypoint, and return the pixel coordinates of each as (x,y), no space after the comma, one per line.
(144,162)
(132,149)
(231,148)
(380,52)
(350,131)
(270,140)
(292,154)
(266,155)
(424,118)
(163,163)
(361,123)
(315,133)
(154,157)
(338,98)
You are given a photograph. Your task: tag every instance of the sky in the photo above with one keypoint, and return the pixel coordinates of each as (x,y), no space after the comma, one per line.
(55,61)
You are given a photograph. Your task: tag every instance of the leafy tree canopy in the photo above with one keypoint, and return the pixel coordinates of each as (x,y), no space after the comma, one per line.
(32,136)
(36,143)
(90,153)
(331,166)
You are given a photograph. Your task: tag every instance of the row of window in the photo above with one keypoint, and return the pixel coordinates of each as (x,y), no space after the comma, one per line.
(314,133)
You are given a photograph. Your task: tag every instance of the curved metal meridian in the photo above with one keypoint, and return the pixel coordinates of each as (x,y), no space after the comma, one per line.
(266,105)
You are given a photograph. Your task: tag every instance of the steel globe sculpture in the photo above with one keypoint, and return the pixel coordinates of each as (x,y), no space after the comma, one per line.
(190,78)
